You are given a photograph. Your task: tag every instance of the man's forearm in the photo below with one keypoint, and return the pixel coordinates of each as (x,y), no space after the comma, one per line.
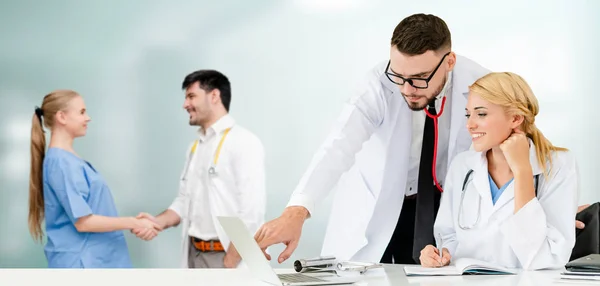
(297,212)
(168,218)
(232,257)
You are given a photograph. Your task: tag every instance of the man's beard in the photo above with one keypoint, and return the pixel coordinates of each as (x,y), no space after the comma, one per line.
(415,106)
(196,121)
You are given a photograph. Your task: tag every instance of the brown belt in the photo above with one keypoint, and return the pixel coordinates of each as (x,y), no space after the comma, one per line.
(206,246)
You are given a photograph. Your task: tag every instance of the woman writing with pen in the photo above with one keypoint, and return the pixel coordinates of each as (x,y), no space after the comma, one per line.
(512,200)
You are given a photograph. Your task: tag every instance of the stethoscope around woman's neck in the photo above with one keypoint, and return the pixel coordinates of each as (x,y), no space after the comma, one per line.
(435,127)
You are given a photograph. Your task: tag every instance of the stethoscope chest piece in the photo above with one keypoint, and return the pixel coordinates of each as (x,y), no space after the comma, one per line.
(212,171)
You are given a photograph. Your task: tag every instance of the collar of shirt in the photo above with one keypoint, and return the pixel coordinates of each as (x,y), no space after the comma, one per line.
(223,123)
(446,91)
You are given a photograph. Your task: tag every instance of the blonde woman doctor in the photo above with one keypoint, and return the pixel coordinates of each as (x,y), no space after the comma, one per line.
(512,200)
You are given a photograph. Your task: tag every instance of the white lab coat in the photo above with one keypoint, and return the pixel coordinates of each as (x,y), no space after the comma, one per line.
(238,188)
(540,235)
(371,191)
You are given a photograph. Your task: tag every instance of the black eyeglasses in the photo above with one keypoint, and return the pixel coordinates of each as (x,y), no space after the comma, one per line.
(421,83)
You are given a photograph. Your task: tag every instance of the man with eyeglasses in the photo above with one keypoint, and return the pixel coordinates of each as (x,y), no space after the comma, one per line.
(389,153)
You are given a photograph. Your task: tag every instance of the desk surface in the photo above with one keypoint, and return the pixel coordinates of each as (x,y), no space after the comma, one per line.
(390,275)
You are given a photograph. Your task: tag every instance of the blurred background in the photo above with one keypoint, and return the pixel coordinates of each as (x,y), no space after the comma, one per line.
(292,65)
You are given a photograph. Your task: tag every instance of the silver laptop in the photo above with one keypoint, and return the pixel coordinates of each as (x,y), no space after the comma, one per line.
(258,264)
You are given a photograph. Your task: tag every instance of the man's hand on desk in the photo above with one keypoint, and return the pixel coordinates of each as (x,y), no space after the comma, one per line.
(578,224)
(285,229)
(146,233)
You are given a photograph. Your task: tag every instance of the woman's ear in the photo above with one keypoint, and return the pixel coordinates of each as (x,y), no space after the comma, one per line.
(517,120)
(60,117)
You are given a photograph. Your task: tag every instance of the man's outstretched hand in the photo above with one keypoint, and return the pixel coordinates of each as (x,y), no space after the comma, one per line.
(285,229)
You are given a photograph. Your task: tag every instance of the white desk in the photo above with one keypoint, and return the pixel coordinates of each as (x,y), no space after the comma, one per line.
(390,275)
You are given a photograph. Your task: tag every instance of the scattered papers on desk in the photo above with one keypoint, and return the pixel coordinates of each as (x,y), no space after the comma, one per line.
(462,266)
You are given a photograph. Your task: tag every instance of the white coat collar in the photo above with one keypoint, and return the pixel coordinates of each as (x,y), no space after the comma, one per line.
(479,164)
(479,159)
(218,127)
(465,72)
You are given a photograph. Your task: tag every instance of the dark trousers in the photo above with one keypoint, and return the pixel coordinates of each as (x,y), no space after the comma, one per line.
(400,247)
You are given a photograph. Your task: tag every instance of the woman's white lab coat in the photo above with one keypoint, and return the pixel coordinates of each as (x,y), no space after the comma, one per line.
(540,235)
(237,188)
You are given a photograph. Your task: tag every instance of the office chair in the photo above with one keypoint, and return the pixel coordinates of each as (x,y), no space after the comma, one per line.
(587,240)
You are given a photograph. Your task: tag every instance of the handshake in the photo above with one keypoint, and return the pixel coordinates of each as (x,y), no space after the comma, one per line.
(147,226)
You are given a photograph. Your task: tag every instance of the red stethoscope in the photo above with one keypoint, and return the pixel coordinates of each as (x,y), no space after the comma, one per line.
(435,127)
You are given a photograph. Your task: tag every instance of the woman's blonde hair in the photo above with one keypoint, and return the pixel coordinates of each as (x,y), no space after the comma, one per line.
(44,115)
(512,92)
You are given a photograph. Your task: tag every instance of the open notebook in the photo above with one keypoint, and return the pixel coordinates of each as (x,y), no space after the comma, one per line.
(462,266)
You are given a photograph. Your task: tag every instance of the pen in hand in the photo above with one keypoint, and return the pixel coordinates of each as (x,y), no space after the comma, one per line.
(440,247)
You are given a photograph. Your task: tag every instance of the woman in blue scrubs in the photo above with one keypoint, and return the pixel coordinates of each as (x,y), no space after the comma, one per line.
(82,225)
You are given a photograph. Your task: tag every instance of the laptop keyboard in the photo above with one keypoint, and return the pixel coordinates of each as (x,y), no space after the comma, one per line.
(298,277)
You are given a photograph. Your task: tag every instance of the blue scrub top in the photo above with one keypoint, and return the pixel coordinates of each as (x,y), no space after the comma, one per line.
(496,192)
(73,189)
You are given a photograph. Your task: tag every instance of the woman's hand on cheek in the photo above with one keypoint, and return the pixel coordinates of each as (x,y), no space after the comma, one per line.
(516,151)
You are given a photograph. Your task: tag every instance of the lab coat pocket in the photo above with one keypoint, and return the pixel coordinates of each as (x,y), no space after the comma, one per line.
(349,218)
(223,192)
(354,199)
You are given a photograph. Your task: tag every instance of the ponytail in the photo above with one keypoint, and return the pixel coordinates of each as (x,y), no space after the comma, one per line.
(36,189)
(543,148)
(53,102)
(512,92)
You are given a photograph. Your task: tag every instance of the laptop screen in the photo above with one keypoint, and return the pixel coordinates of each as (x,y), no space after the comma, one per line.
(248,249)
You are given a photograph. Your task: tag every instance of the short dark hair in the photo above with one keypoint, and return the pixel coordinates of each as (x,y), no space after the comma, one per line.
(209,80)
(419,33)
